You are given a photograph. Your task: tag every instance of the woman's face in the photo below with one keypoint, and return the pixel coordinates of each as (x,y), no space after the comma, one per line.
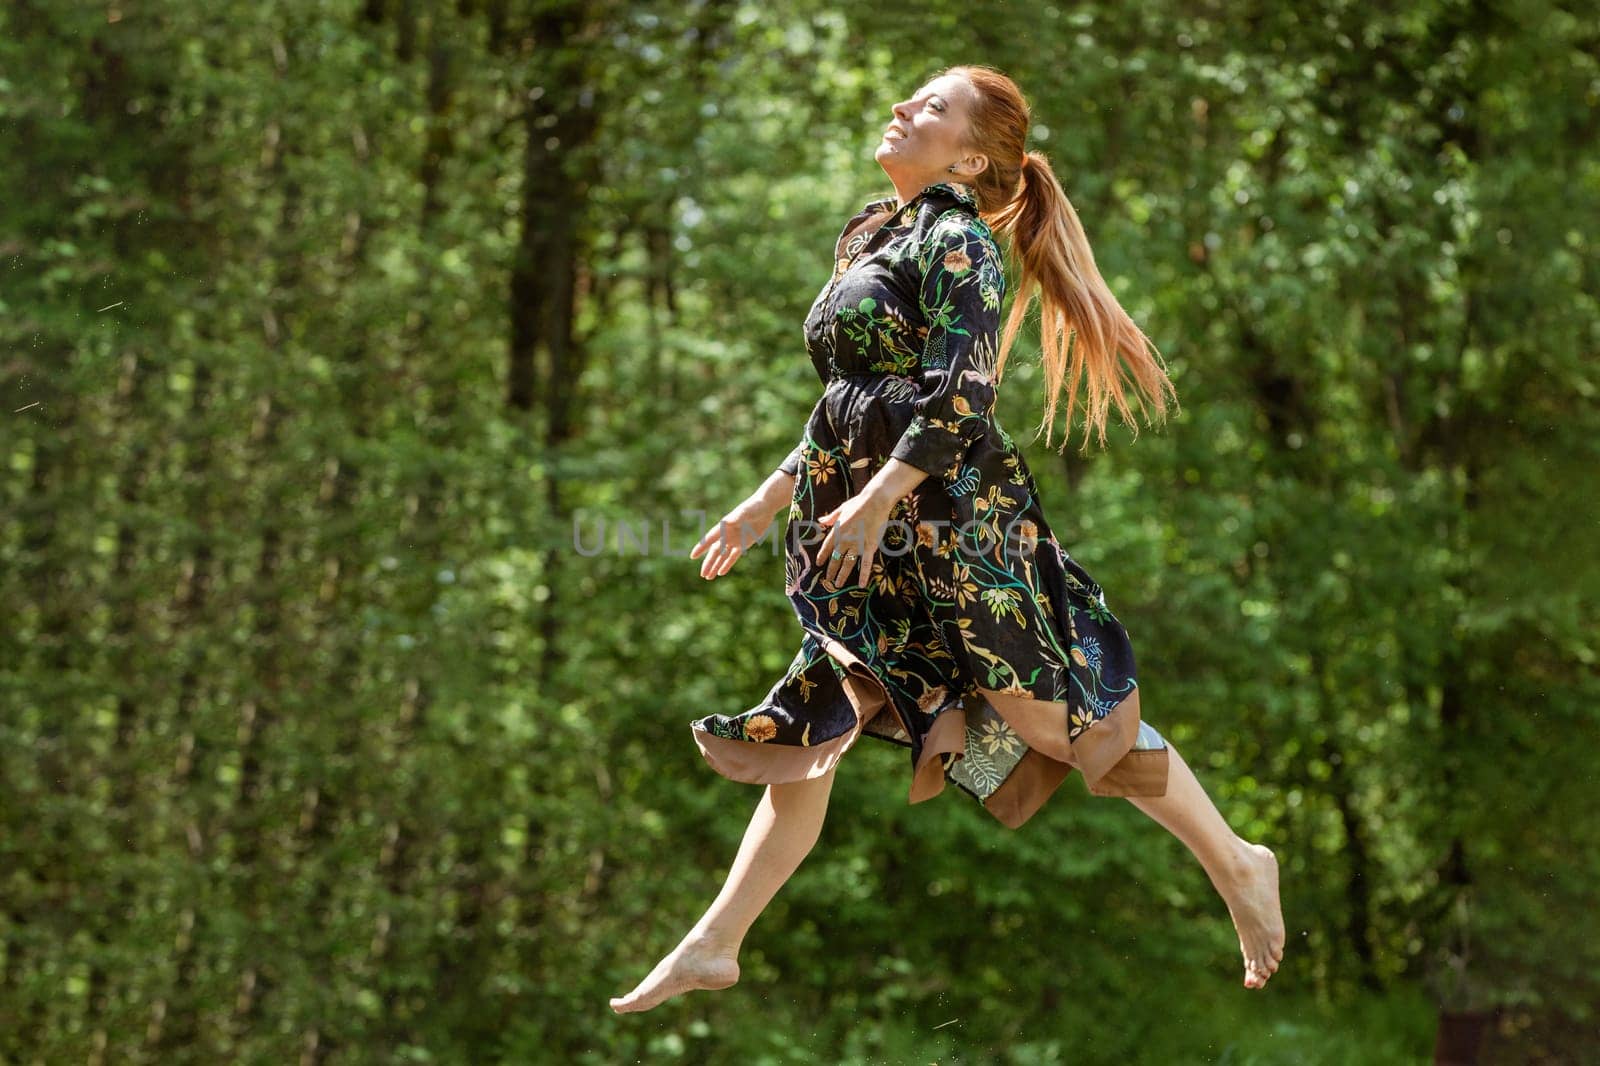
(927,133)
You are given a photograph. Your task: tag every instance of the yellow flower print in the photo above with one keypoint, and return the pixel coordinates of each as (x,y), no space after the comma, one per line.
(957,261)
(822,467)
(760,728)
(966,590)
(1078,656)
(929,701)
(993,498)
(1081,720)
(961,405)
(927,534)
(998,737)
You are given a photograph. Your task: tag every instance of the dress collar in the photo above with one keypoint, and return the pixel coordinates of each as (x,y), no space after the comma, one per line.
(938,190)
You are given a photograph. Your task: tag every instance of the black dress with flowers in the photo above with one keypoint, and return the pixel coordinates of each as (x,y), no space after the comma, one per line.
(976,630)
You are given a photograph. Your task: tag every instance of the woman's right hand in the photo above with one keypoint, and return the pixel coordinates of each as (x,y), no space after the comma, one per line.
(738,531)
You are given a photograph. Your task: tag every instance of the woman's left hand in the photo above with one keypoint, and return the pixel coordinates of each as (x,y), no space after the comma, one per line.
(857,526)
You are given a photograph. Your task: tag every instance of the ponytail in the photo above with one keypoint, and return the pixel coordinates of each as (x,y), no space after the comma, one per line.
(1086,338)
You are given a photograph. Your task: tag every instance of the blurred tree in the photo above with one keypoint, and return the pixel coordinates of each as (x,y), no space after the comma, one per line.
(350,347)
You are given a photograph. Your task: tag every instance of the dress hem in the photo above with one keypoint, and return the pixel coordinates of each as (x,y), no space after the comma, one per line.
(759,763)
(1104,753)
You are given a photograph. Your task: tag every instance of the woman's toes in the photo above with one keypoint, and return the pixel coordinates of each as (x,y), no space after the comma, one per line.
(1256,973)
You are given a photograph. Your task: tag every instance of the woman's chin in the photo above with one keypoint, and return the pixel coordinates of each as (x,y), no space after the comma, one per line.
(891,162)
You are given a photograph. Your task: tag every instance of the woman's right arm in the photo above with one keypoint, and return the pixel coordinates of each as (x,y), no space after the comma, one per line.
(778,490)
(775,493)
(744,526)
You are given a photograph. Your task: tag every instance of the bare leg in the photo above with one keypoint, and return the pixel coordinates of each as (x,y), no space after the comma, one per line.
(782,832)
(1245,874)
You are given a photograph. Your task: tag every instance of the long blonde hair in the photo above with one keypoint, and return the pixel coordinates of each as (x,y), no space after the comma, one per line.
(1084,332)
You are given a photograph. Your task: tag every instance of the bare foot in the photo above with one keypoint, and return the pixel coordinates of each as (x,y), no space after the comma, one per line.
(1252,898)
(692,964)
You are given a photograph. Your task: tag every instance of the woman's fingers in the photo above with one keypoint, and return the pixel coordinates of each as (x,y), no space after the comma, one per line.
(847,537)
(866,569)
(723,545)
(718,548)
(839,540)
(713,537)
(715,546)
(831,565)
(854,563)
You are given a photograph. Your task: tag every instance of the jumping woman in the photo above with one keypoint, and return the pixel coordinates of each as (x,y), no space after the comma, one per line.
(939,610)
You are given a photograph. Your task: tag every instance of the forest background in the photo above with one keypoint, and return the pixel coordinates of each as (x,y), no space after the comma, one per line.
(329,329)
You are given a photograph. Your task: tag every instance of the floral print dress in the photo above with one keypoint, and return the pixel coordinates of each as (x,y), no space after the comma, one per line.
(978,642)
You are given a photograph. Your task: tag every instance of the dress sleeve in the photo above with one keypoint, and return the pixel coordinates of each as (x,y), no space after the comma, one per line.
(963,282)
(791,465)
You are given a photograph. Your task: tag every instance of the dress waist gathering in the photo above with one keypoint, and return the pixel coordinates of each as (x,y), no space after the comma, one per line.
(870,408)
(836,376)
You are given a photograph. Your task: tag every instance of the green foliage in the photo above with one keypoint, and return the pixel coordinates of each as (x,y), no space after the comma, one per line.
(334,333)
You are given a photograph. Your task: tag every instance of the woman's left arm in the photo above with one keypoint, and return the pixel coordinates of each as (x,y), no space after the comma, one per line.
(855,527)
(963,284)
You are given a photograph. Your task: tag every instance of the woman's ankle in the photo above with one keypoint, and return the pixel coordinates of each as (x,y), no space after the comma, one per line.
(713,943)
(1241,862)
